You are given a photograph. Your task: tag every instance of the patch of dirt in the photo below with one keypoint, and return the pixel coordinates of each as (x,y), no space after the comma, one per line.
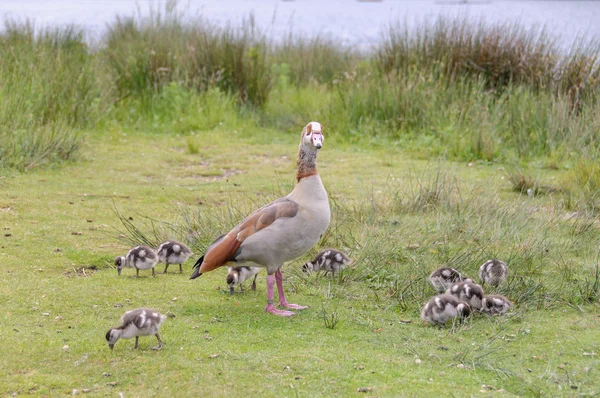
(212,176)
(82,272)
(277,160)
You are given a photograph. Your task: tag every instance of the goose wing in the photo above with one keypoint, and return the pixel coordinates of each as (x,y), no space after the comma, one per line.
(225,248)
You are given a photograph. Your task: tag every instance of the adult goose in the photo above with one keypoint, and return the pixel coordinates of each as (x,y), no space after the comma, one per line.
(280,231)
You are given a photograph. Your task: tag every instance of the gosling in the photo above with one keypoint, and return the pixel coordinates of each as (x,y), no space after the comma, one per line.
(173,252)
(443,308)
(495,305)
(140,258)
(136,323)
(330,260)
(467,291)
(236,276)
(493,272)
(443,278)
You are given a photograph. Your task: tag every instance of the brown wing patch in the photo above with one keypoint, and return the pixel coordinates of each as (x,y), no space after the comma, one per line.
(224,250)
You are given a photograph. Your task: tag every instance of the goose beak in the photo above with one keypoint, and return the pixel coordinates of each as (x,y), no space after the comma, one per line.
(317,139)
(118,273)
(232,289)
(111,346)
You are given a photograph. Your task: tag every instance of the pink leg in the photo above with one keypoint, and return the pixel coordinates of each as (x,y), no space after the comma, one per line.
(270,295)
(282,301)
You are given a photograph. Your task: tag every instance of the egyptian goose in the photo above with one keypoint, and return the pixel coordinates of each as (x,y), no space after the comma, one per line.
(280,231)
(236,276)
(443,278)
(173,252)
(468,292)
(136,323)
(140,258)
(330,260)
(443,308)
(493,272)
(493,304)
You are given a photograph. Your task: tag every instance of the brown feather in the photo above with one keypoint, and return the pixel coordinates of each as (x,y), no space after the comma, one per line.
(300,175)
(224,250)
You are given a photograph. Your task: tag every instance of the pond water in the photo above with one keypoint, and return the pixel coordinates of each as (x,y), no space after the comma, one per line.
(353,22)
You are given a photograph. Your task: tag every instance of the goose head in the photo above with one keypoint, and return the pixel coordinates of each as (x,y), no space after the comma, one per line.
(308,267)
(312,136)
(111,337)
(120,263)
(232,279)
(463,310)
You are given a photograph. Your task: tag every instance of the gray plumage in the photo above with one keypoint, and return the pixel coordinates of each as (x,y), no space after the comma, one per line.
(444,307)
(444,277)
(280,231)
(493,272)
(173,252)
(140,258)
(329,260)
(495,305)
(236,276)
(136,323)
(468,292)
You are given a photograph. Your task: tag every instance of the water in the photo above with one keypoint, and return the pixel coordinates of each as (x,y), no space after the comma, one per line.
(349,21)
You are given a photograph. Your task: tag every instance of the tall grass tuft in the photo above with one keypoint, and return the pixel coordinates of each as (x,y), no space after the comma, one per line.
(314,60)
(146,54)
(462,90)
(50,88)
(501,54)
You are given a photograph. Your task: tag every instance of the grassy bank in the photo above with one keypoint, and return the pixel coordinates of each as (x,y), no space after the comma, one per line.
(464,90)
(398,218)
(176,130)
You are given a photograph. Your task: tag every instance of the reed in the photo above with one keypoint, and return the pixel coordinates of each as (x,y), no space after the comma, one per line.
(146,54)
(466,91)
(50,89)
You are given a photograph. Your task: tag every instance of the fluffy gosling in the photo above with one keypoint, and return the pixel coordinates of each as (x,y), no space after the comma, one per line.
(495,304)
(136,323)
(330,260)
(468,292)
(443,308)
(443,278)
(493,272)
(236,276)
(173,252)
(140,258)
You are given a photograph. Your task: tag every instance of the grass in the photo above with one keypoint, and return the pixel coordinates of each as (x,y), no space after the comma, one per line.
(176,129)
(50,91)
(398,219)
(451,88)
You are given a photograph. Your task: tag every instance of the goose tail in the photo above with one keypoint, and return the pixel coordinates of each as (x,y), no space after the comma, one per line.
(196,268)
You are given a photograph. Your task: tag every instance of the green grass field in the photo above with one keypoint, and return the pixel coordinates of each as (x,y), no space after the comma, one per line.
(454,145)
(61,292)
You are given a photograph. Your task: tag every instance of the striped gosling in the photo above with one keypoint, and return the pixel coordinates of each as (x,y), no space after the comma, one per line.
(443,308)
(136,323)
(468,292)
(238,275)
(329,260)
(173,252)
(495,304)
(140,258)
(443,278)
(493,272)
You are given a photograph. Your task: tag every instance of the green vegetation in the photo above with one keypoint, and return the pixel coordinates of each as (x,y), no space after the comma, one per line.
(453,88)
(446,150)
